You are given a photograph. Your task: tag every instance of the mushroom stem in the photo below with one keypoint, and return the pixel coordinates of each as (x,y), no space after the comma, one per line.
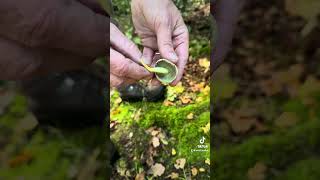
(160,70)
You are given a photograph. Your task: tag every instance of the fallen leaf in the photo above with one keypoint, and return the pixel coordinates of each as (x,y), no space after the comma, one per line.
(287,119)
(241,125)
(180,163)
(157,169)
(130,135)
(198,87)
(270,86)
(20,159)
(205,63)
(190,116)
(258,172)
(168,103)
(173,152)
(140,176)
(155,132)
(155,142)
(173,175)
(207,161)
(186,99)
(194,171)
(206,129)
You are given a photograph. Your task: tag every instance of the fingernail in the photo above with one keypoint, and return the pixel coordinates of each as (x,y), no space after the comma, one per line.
(173,57)
(146,60)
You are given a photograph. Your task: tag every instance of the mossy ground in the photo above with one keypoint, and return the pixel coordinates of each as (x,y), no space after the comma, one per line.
(181,124)
(182,134)
(265,81)
(29,151)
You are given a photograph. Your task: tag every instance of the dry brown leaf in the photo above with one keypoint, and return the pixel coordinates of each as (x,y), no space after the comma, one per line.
(155,132)
(168,103)
(20,159)
(270,86)
(173,175)
(241,125)
(260,128)
(258,172)
(140,176)
(190,116)
(207,161)
(180,163)
(198,87)
(186,99)
(155,142)
(194,171)
(205,63)
(287,119)
(206,129)
(157,169)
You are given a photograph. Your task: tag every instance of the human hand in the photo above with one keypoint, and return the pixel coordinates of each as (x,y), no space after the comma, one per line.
(226,14)
(161,28)
(124,59)
(42,36)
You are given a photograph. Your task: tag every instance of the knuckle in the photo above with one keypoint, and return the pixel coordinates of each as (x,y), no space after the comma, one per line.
(123,69)
(130,45)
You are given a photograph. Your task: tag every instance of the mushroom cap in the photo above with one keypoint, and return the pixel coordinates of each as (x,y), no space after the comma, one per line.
(169,77)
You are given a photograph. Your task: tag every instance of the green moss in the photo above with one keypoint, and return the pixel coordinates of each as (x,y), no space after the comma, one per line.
(189,136)
(185,132)
(305,169)
(275,151)
(16,110)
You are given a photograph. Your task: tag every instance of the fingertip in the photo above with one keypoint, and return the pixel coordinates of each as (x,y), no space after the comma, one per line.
(173,57)
(147,55)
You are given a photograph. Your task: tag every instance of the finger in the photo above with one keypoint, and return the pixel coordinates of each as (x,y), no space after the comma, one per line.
(147,55)
(116,81)
(66,25)
(123,45)
(165,45)
(182,49)
(124,67)
(19,62)
(226,14)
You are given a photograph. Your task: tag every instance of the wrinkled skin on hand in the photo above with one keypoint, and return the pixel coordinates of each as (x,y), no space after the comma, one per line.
(226,13)
(161,28)
(38,37)
(124,60)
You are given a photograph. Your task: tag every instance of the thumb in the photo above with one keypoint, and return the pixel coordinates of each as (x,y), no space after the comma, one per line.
(165,45)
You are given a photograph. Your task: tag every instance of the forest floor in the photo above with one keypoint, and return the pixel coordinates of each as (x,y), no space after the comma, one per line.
(155,139)
(30,151)
(267,98)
